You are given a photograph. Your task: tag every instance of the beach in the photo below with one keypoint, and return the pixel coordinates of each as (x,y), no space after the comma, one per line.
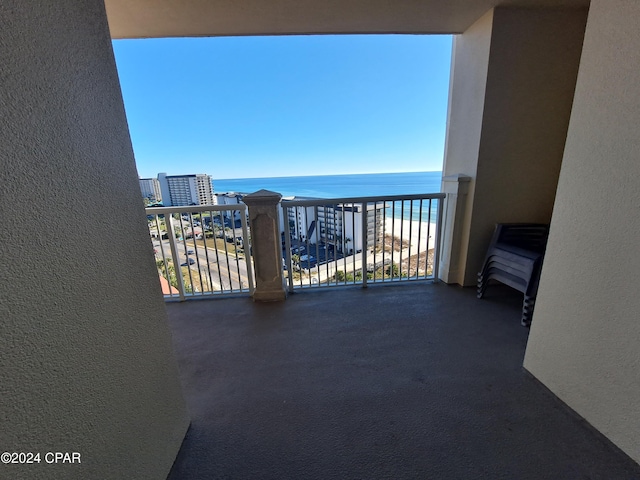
(415,232)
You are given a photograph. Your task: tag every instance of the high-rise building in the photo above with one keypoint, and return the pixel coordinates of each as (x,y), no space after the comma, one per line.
(150,188)
(194,189)
(338,225)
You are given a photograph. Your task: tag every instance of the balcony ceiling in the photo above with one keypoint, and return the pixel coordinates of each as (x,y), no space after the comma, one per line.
(194,18)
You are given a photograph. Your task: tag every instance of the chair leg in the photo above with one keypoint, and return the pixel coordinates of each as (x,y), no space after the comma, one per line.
(527,310)
(482,286)
(482,283)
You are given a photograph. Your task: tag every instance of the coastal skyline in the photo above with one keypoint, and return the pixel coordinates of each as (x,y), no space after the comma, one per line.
(256,107)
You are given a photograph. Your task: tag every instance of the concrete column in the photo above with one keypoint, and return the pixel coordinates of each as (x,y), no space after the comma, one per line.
(457,188)
(87,363)
(513,77)
(266,244)
(583,343)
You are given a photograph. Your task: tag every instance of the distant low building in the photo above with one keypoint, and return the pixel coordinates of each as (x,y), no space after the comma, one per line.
(230,198)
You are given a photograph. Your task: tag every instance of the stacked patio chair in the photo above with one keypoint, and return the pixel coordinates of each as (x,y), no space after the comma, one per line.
(515,258)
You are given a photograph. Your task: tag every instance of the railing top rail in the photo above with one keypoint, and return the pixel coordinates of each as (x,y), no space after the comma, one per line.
(387,198)
(194,209)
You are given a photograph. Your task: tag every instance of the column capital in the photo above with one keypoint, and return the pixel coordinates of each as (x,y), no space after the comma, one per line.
(262,197)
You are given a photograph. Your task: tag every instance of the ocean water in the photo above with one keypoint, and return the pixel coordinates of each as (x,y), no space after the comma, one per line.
(344,186)
(338,186)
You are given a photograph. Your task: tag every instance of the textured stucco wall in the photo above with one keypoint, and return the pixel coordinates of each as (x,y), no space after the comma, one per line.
(85,351)
(584,339)
(469,64)
(533,67)
(513,149)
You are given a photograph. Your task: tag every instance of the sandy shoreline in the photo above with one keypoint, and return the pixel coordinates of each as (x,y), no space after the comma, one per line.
(414,231)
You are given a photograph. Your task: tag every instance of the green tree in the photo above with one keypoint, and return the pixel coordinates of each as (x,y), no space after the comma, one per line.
(341,277)
(170,274)
(393,271)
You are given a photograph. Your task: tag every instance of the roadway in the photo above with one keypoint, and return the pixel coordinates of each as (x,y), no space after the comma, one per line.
(224,272)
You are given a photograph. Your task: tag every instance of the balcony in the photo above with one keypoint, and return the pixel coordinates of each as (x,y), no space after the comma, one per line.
(85,357)
(362,240)
(205,251)
(405,379)
(413,380)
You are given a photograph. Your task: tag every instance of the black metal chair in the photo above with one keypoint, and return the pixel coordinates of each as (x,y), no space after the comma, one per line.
(514,258)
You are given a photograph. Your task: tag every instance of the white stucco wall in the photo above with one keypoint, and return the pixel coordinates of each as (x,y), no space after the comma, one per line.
(467,84)
(511,125)
(583,343)
(85,355)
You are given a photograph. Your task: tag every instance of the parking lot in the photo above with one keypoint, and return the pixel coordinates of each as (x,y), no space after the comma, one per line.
(312,254)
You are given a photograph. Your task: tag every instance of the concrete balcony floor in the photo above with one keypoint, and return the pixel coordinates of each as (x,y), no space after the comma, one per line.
(413,381)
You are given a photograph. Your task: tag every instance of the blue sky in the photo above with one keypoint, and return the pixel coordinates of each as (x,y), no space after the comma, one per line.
(244,107)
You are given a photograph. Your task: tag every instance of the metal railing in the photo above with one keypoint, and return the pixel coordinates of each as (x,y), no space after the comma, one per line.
(348,241)
(202,251)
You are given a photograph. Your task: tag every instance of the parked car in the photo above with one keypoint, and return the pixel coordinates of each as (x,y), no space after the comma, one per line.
(308,261)
(190,252)
(189,261)
(307,264)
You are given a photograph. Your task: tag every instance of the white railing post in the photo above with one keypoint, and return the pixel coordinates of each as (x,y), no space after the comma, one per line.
(287,243)
(168,220)
(456,187)
(365,243)
(267,245)
(246,246)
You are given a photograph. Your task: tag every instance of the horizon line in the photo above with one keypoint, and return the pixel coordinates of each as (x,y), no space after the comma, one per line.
(328,175)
